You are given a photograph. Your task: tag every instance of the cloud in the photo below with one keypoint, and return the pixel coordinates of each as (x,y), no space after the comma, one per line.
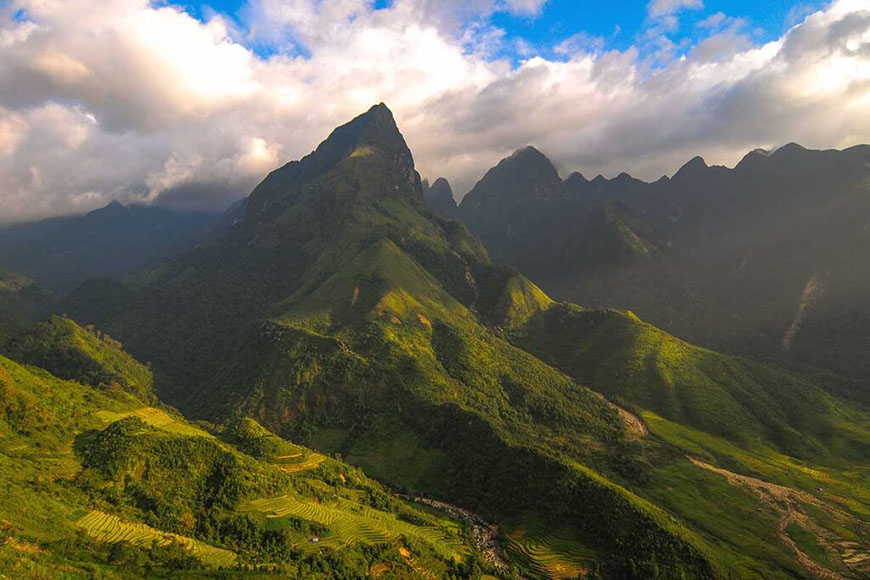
(142,102)
(659,8)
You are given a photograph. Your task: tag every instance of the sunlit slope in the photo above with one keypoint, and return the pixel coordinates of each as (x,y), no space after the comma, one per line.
(86,355)
(630,361)
(765,466)
(342,315)
(148,489)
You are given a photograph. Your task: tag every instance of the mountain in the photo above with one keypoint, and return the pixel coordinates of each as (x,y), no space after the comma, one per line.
(762,260)
(98,482)
(439,197)
(22,302)
(108,242)
(340,313)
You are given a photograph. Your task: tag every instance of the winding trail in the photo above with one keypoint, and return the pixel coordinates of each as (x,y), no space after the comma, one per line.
(787,502)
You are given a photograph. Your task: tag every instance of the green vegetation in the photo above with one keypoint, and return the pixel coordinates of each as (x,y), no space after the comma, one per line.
(96,483)
(349,522)
(780,439)
(22,302)
(339,314)
(548,552)
(107,528)
(86,355)
(633,362)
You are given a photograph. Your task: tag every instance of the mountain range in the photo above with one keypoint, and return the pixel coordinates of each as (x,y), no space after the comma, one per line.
(368,393)
(762,260)
(111,241)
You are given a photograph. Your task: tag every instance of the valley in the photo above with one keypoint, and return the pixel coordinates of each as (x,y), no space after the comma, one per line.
(340,383)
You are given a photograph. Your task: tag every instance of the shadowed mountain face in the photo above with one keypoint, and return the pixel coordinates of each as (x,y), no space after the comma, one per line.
(62,252)
(764,259)
(439,197)
(338,310)
(22,302)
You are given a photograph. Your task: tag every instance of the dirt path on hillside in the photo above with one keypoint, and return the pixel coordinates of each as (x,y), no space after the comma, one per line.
(635,424)
(787,503)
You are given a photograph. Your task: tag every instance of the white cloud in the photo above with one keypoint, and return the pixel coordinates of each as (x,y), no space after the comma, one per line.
(142,102)
(658,8)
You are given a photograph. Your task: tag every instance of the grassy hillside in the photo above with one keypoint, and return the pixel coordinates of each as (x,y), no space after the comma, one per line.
(343,316)
(22,302)
(633,362)
(98,484)
(748,452)
(86,355)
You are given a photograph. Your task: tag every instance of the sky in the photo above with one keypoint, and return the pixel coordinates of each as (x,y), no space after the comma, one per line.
(189,104)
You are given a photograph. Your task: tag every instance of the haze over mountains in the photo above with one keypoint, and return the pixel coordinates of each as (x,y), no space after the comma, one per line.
(332,314)
(765,259)
(112,241)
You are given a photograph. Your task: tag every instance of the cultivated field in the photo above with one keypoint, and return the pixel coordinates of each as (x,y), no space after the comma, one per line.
(156,418)
(105,527)
(350,523)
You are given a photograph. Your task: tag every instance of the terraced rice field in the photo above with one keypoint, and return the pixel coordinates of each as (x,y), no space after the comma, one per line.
(105,527)
(351,523)
(299,462)
(548,554)
(156,418)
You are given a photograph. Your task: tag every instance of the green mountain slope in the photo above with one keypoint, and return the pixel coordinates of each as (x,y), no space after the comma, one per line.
(96,483)
(764,259)
(88,356)
(22,302)
(782,441)
(342,314)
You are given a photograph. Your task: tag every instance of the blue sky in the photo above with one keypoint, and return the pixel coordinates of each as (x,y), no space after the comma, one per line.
(616,24)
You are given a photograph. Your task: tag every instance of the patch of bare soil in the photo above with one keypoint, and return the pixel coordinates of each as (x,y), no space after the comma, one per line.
(789,504)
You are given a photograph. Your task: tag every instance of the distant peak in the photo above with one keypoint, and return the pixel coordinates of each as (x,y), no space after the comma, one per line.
(439,197)
(788,151)
(753,158)
(525,174)
(696,161)
(114,206)
(789,147)
(576,177)
(443,184)
(530,158)
(696,166)
(527,152)
(440,189)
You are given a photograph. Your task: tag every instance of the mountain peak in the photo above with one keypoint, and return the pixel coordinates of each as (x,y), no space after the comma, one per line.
(439,198)
(525,173)
(695,167)
(529,153)
(442,185)
(113,206)
(530,161)
(753,158)
(372,139)
(374,129)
